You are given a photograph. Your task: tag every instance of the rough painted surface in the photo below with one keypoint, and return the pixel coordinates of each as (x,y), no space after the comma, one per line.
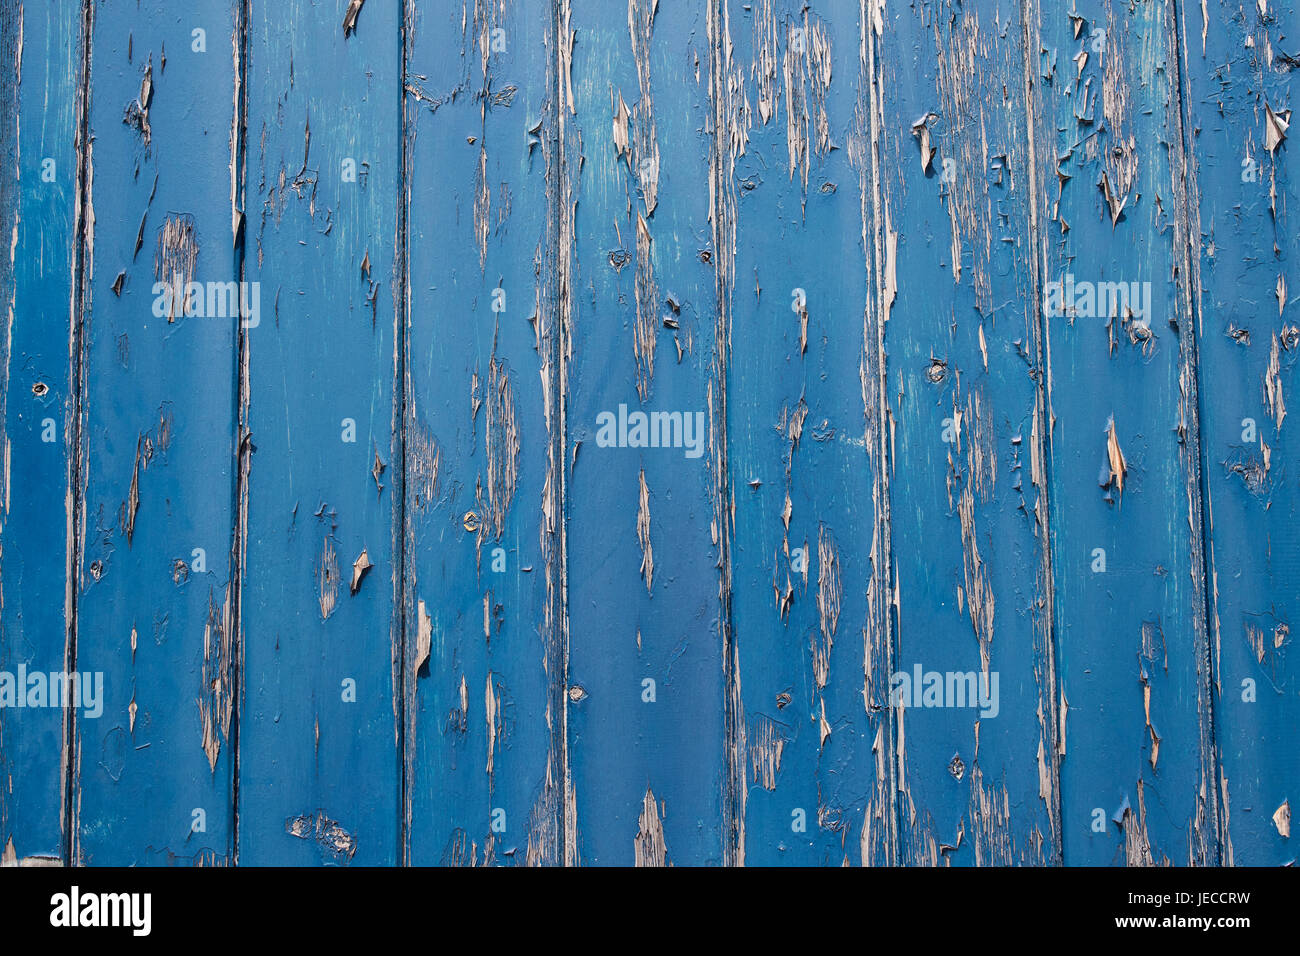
(802,428)
(319,714)
(483,580)
(1239,66)
(1129,589)
(635,402)
(155,463)
(976,785)
(39,204)
(645,716)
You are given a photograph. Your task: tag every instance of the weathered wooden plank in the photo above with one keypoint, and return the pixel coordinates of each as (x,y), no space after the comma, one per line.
(483,664)
(152,776)
(637,306)
(977,780)
(1129,600)
(319,757)
(1239,81)
(803,435)
(42,48)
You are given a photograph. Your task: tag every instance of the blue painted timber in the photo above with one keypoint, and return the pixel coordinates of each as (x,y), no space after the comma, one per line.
(701,433)
(483,715)
(638,318)
(41,113)
(1136,778)
(319,627)
(977,778)
(156,477)
(803,420)
(1238,69)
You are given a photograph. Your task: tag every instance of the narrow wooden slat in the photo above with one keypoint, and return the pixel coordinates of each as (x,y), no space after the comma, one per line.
(42,48)
(1129,601)
(977,784)
(638,307)
(483,667)
(319,758)
(1240,62)
(803,442)
(152,781)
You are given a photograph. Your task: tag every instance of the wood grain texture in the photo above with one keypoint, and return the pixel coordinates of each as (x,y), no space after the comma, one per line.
(802,428)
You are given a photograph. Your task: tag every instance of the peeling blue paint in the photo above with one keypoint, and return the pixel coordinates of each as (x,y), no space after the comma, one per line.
(980,553)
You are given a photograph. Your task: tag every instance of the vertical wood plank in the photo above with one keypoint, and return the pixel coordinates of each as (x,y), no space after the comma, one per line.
(1129,595)
(152,781)
(42,47)
(638,307)
(977,782)
(319,760)
(482,673)
(803,434)
(1240,88)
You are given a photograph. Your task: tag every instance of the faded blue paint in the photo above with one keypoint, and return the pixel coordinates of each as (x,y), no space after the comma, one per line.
(977,785)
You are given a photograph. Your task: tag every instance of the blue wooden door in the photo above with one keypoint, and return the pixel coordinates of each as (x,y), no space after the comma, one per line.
(698,433)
